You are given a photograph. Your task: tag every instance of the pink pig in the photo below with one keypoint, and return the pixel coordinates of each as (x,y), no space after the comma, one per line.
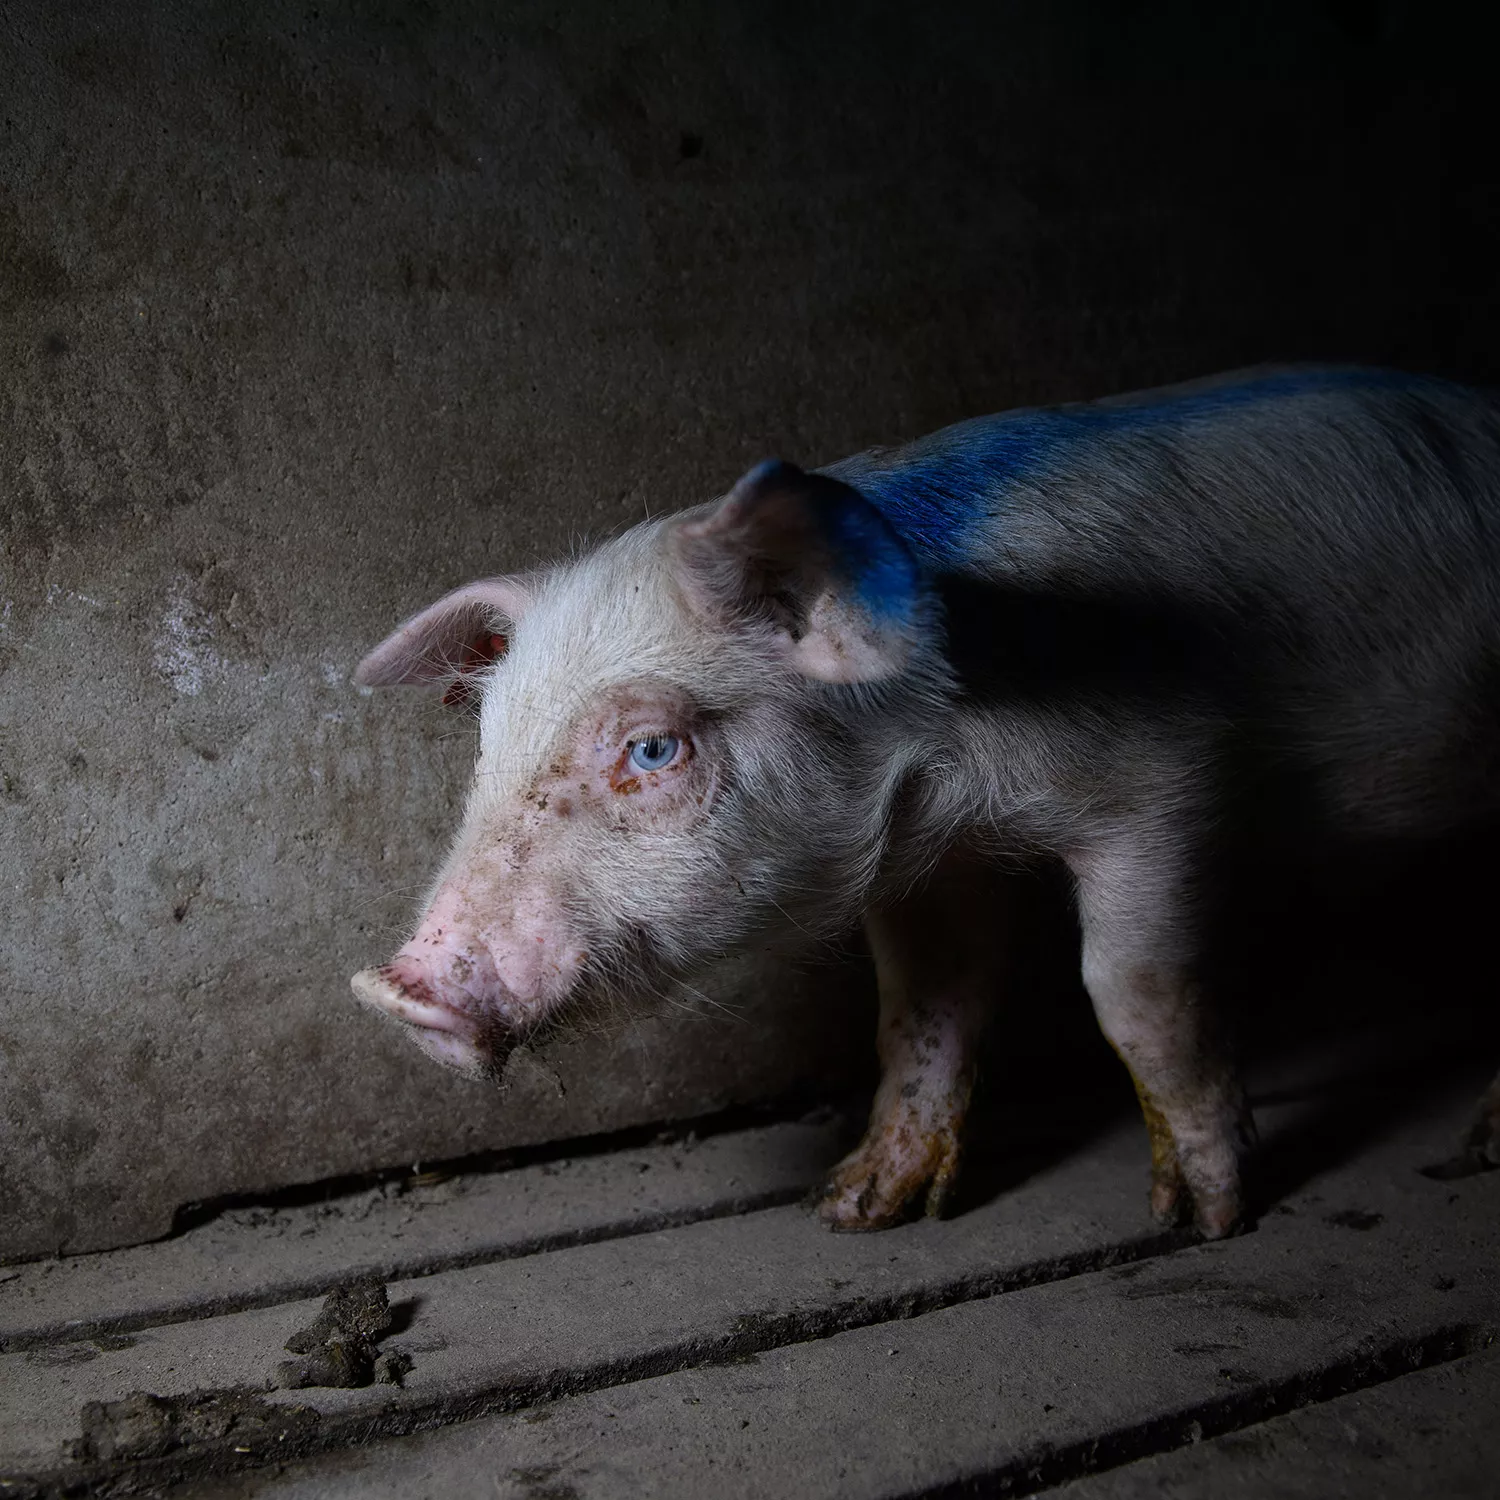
(871,693)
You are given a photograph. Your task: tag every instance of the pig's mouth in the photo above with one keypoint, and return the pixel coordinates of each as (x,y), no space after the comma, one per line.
(478,1045)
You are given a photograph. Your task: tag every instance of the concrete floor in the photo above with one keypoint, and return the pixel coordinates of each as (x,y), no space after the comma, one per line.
(661,1318)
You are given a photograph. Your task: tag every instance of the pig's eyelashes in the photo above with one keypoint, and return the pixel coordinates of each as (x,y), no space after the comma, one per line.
(654,752)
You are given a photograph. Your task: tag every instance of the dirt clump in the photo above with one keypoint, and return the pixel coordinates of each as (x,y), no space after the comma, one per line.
(338,1347)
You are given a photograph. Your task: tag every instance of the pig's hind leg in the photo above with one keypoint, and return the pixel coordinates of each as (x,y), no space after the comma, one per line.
(937,961)
(1140,962)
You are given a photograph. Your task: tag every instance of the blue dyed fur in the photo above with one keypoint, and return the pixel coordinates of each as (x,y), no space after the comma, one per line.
(939,490)
(885,575)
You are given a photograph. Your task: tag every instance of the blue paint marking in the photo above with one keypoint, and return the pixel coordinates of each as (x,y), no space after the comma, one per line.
(870,554)
(935,490)
(765,472)
(883,571)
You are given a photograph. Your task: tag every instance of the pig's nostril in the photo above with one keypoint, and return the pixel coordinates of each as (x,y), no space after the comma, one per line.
(383,989)
(475,1045)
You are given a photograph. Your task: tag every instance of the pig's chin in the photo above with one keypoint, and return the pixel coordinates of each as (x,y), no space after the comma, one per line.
(477,1046)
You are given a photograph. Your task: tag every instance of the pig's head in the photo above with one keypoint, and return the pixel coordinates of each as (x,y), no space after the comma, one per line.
(690,739)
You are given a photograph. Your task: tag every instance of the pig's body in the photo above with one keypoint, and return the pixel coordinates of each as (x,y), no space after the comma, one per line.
(1140,637)
(1300,573)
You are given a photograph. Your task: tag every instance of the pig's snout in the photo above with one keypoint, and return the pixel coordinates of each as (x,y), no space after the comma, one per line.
(447,991)
(468,992)
(476,1042)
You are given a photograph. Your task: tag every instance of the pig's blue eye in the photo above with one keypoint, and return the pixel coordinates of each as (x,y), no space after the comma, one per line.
(653,752)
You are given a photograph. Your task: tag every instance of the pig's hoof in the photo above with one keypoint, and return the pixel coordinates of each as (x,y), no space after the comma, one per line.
(880,1183)
(1171,1204)
(1216,1213)
(1219,1213)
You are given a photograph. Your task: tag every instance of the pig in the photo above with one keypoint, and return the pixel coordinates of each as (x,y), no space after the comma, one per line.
(1132,638)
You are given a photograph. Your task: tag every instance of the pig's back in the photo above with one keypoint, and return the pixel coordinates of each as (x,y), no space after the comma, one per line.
(1311,554)
(1211,486)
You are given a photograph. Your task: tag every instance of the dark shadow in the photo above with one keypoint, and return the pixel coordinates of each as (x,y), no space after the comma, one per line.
(403,1315)
(1049,1086)
(1375,961)
(1358,995)
(1344,1116)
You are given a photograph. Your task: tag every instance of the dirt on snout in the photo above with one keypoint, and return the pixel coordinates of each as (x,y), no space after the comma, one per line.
(338,1346)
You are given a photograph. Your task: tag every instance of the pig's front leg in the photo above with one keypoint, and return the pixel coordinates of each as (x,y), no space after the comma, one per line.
(936,960)
(1140,955)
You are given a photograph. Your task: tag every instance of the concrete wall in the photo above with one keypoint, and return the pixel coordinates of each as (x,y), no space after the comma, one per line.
(310,312)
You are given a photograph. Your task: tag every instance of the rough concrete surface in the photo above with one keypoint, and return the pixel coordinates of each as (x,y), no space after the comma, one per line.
(1432,1433)
(990,1398)
(1043,1335)
(259,1253)
(890,1412)
(601,1312)
(309,312)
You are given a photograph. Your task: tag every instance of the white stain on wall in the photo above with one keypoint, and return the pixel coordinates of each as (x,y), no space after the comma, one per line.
(56,591)
(180,651)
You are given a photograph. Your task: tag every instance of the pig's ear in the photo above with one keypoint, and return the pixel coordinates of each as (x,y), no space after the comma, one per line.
(810,559)
(464,630)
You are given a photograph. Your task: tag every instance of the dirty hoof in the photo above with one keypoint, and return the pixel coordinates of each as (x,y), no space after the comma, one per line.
(1219,1215)
(1171,1204)
(1215,1215)
(880,1183)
